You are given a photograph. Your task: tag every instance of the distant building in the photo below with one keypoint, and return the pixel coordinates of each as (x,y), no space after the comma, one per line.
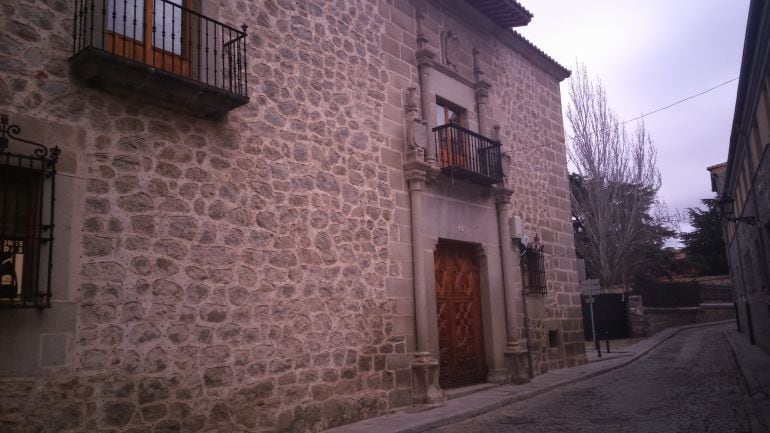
(717,177)
(746,193)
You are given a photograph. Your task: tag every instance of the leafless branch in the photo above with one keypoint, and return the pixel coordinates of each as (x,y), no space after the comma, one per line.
(618,176)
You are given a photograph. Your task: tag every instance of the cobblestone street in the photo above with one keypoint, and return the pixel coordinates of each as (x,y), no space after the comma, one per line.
(687,384)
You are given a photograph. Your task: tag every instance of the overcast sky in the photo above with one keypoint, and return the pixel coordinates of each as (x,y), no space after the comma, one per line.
(650,54)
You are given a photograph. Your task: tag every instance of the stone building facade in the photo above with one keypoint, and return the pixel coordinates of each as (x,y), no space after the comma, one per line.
(744,188)
(304,256)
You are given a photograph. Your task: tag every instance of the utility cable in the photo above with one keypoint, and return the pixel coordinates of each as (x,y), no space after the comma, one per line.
(673,104)
(680,101)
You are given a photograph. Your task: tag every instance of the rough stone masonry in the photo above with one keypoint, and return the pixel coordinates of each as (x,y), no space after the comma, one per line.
(253,273)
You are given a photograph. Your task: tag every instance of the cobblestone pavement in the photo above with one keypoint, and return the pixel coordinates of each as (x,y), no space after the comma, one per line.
(688,384)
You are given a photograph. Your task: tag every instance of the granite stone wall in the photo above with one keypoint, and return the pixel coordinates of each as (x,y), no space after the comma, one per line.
(252,273)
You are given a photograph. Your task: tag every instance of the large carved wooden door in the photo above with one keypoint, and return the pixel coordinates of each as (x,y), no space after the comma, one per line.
(458,299)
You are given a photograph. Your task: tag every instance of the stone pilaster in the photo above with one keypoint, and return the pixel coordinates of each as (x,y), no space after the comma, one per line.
(515,355)
(425,58)
(481,90)
(425,386)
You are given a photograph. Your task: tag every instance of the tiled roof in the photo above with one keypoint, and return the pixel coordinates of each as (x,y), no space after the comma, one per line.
(506,13)
(548,63)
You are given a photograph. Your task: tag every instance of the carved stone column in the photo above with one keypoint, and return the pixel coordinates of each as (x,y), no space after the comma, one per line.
(425,386)
(425,57)
(515,353)
(481,89)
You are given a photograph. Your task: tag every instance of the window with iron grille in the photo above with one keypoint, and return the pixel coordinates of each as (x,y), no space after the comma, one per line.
(27,176)
(533,269)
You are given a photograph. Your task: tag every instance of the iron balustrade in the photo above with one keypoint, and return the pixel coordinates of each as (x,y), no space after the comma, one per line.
(467,154)
(164,35)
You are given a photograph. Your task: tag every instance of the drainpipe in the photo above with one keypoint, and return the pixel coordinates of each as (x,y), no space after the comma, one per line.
(529,338)
(524,297)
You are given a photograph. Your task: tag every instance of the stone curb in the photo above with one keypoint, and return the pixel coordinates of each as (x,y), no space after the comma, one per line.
(758,391)
(482,402)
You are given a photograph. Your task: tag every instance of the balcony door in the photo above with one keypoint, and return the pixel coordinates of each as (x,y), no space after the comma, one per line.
(451,150)
(154,32)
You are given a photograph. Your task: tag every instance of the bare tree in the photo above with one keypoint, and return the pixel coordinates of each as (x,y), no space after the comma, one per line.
(615,183)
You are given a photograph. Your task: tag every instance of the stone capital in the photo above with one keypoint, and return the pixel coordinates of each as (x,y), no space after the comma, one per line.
(481,88)
(417,173)
(425,57)
(502,196)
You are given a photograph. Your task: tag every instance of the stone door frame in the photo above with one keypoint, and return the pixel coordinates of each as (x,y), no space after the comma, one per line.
(494,336)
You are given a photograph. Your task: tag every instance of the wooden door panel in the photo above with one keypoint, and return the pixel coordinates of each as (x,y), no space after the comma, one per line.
(458,301)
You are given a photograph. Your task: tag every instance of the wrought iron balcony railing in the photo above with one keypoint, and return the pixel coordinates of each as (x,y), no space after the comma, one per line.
(160,37)
(466,154)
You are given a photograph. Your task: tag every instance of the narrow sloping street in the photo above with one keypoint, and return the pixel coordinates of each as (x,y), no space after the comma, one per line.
(687,384)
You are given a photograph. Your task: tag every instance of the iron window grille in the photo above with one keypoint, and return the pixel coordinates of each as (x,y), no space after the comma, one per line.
(533,269)
(27,193)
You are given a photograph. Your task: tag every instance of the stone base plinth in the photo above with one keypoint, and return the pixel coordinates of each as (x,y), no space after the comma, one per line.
(517,364)
(499,376)
(425,387)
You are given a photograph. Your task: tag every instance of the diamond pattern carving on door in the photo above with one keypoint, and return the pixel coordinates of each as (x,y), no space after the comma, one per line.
(458,301)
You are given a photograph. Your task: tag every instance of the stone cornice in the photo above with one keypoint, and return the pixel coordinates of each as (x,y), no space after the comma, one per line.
(448,71)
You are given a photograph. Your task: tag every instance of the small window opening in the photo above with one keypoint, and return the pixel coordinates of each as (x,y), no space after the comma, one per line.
(553,339)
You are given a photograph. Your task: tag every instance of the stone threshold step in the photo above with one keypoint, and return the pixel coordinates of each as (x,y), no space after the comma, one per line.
(454,393)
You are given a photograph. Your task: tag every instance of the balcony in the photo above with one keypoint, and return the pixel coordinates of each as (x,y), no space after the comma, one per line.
(163,51)
(467,155)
